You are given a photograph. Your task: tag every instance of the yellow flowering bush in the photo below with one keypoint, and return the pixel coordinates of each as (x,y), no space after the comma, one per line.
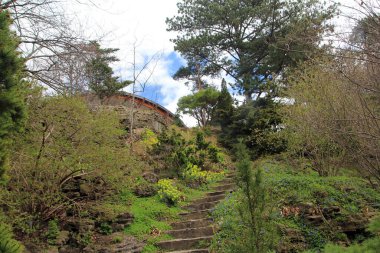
(168,192)
(193,174)
(149,137)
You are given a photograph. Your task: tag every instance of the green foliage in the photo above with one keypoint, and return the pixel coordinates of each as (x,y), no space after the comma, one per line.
(63,141)
(117,239)
(371,245)
(200,105)
(250,40)
(286,186)
(259,123)
(184,155)
(224,108)
(289,186)
(105,228)
(254,207)
(246,224)
(100,74)
(150,249)
(7,243)
(168,192)
(53,232)
(195,176)
(149,137)
(12,93)
(84,239)
(331,118)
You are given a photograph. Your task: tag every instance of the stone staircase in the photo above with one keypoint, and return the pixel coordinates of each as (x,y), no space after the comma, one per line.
(193,234)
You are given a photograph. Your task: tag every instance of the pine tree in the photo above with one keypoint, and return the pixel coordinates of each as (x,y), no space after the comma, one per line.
(253,208)
(12,108)
(100,74)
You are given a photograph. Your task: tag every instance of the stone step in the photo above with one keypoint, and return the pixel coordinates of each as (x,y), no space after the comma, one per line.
(227,181)
(231,175)
(215,193)
(192,232)
(184,244)
(191,224)
(224,187)
(210,198)
(202,206)
(195,215)
(191,251)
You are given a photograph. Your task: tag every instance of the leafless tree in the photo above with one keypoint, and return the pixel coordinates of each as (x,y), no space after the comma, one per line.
(47,38)
(142,73)
(338,100)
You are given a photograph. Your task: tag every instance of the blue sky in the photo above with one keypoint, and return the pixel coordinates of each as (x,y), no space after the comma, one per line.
(153,90)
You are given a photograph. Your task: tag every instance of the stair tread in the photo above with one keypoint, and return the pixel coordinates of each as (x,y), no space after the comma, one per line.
(186,239)
(190,251)
(199,228)
(198,211)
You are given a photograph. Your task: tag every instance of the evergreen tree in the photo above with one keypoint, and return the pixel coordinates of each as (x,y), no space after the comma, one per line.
(250,40)
(195,71)
(224,108)
(100,74)
(253,209)
(12,108)
(258,123)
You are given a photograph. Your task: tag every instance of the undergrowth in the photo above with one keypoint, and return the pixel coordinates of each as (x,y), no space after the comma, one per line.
(290,189)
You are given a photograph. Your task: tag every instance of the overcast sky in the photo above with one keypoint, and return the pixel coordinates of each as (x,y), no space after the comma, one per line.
(122,23)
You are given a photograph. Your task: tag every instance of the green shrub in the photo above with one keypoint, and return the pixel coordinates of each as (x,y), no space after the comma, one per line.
(215,155)
(168,192)
(195,176)
(12,89)
(85,239)
(53,232)
(179,153)
(7,243)
(371,245)
(78,143)
(245,218)
(149,137)
(105,228)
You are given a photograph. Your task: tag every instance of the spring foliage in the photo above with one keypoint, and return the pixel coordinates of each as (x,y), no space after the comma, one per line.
(63,141)
(7,243)
(168,192)
(12,109)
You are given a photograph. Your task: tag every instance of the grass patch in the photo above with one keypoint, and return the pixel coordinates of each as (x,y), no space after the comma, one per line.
(151,215)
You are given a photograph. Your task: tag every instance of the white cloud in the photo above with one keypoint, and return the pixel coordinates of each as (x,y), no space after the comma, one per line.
(125,22)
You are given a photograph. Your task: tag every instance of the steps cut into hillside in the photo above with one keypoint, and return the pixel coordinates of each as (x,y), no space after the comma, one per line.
(193,234)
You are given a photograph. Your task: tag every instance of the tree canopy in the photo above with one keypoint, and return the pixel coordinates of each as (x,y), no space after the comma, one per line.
(252,41)
(200,105)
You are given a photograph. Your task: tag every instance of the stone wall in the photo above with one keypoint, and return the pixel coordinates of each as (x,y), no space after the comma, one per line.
(146,113)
